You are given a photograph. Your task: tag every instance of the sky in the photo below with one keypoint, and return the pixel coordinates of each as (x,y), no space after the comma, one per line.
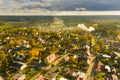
(53,6)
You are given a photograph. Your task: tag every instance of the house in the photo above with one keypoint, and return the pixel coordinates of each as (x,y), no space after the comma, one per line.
(99,66)
(75,73)
(103,55)
(106,56)
(51,74)
(114,55)
(87,50)
(41,77)
(116,44)
(26,46)
(118,74)
(50,58)
(75,56)
(36,63)
(1,47)
(36,60)
(63,79)
(41,40)
(105,46)
(112,68)
(80,76)
(108,68)
(24,41)
(7,38)
(20,57)
(19,76)
(93,42)
(1,78)
(114,77)
(88,61)
(18,65)
(66,58)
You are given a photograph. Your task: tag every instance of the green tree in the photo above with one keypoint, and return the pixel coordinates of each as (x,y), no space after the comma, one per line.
(99,75)
(32,42)
(4,62)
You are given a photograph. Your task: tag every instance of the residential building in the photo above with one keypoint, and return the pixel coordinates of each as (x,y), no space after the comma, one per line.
(88,50)
(50,58)
(99,66)
(41,77)
(80,76)
(18,65)
(19,76)
(114,77)
(1,78)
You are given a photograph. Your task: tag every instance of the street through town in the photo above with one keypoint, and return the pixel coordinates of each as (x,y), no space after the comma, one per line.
(90,69)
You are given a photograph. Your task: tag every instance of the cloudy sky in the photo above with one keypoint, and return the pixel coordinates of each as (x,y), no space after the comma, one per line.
(49,6)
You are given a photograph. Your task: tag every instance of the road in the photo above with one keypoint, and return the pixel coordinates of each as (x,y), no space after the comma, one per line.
(51,73)
(117,53)
(90,68)
(55,62)
(50,65)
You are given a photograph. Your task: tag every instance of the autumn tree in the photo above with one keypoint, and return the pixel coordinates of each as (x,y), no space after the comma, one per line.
(11,42)
(96,49)
(95,25)
(34,52)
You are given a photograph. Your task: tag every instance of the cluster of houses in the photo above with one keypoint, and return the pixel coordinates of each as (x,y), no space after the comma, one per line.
(75,73)
(111,71)
(20,64)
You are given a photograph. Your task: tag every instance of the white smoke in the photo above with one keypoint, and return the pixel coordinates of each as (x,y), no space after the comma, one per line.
(83,27)
(91,28)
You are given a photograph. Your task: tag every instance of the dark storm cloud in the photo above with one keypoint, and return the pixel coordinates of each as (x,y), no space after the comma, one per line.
(58,5)
(69,4)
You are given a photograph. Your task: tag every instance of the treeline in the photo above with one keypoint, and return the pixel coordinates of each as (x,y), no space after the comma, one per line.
(20,21)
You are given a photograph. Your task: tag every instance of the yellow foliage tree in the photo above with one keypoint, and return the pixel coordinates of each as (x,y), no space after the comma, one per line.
(34,52)
(95,26)
(11,42)
(3,58)
(96,48)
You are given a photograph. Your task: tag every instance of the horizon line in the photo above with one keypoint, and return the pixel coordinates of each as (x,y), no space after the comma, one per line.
(65,13)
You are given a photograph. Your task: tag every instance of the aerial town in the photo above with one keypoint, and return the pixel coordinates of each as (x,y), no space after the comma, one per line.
(56,51)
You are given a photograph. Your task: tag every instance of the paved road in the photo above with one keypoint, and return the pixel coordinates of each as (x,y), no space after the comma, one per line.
(117,53)
(51,73)
(90,69)
(55,62)
(50,65)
